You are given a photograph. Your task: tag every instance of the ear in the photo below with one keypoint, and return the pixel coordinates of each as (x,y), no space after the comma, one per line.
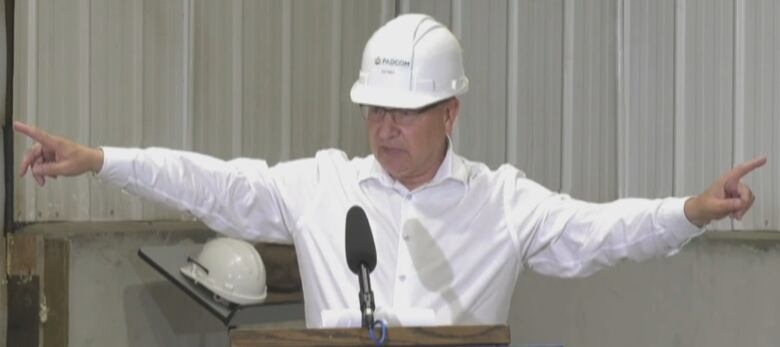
(451,111)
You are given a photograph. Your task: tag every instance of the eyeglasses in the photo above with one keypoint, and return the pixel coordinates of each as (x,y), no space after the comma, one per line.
(400,116)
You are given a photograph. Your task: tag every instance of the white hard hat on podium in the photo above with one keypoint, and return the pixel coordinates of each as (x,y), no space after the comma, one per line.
(231,269)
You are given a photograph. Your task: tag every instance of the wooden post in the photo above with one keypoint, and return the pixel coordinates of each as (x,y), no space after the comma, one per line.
(56,280)
(23,291)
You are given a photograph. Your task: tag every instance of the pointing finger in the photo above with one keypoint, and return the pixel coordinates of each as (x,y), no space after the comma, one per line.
(745,168)
(36,134)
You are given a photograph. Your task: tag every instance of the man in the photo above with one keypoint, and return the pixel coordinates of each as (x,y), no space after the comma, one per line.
(452,236)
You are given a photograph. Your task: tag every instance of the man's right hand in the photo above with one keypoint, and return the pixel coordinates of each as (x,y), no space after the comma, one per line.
(54,156)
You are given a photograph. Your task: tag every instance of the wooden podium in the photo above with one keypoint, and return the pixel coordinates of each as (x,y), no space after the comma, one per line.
(473,335)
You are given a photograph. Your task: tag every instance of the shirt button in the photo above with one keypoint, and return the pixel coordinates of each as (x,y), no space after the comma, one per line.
(402,278)
(408,196)
(406,237)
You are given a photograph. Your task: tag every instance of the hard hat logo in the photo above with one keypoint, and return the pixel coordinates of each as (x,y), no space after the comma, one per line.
(410,62)
(392,62)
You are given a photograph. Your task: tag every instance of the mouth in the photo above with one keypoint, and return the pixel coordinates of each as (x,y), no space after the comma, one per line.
(391,150)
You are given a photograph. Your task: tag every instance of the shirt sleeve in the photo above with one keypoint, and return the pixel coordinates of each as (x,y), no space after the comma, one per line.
(239,198)
(563,237)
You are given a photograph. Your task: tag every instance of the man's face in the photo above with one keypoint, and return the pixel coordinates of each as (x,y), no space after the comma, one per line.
(410,145)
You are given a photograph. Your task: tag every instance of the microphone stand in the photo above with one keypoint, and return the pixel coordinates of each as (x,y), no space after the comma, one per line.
(366,297)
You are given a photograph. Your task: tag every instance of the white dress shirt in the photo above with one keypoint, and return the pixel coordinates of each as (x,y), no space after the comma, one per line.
(454,246)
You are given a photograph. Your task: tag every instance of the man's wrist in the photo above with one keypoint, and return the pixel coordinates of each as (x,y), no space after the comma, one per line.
(98,161)
(691,210)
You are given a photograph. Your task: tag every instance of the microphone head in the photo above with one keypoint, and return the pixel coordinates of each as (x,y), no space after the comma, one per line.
(359,241)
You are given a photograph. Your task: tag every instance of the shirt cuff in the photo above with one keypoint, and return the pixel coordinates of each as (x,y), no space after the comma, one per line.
(117,165)
(672,212)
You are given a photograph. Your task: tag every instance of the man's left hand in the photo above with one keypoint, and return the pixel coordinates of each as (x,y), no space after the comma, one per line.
(726,196)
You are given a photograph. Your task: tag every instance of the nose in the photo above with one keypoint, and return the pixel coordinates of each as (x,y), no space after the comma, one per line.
(387,128)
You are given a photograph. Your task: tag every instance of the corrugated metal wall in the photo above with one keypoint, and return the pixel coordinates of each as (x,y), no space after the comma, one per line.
(757,105)
(598,99)
(235,78)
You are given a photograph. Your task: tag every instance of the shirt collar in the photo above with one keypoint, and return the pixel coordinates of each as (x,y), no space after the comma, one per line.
(452,167)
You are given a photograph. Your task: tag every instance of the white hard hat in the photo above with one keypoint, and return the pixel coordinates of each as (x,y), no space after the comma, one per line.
(231,269)
(410,62)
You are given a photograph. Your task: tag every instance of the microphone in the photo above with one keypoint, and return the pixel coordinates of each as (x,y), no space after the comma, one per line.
(361,258)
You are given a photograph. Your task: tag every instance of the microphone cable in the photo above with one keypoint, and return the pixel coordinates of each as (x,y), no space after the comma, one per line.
(382,325)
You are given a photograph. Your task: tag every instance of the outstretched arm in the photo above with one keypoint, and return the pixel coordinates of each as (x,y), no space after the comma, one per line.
(571,238)
(240,197)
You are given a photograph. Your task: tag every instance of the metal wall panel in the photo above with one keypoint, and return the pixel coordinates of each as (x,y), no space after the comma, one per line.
(482,124)
(24,86)
(115,98)
(271,79)
(314,58)
(166,119)
(704,151)
(590,171)
(165,59)
(762,110)
(263,71)
(647,119)
(216,77)
(536,90)
(182,69)
(63,97)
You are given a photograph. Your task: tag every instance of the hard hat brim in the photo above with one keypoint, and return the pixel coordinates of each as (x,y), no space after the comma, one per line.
(236,298)
(391,98)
